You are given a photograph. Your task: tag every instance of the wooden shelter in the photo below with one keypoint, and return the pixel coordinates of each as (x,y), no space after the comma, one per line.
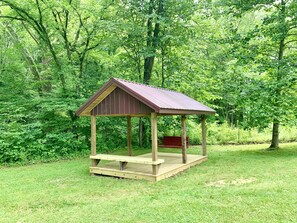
(123,98)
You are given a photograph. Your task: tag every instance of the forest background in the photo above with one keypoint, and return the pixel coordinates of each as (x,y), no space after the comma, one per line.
(237,57)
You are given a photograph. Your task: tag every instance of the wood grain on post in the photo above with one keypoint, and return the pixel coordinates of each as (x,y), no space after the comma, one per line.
(93,140)
(129,135)
(154,132)
(203,127)
(93,135)
(184,139)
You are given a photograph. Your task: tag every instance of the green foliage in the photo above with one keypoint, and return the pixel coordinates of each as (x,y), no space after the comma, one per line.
(222,133)
(38,130)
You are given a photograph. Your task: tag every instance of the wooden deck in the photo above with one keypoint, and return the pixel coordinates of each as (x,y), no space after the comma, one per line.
(172,165)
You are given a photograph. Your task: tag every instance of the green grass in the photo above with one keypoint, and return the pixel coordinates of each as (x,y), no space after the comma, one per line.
(236,184)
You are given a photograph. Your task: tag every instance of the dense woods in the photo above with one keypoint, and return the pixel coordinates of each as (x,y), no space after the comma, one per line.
(238,57)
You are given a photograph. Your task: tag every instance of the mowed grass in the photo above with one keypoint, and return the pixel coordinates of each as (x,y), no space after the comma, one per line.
(236,184)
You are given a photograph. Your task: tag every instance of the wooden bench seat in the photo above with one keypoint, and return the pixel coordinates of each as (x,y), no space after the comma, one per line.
(124,160)
(173,142)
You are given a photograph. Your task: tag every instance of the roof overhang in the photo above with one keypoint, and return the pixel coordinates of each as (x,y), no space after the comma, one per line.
(112,84)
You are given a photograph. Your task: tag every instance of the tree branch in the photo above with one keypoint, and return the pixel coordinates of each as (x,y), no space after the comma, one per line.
(290,41)
(93,47)
(11,17)
(30,33)
(39,11)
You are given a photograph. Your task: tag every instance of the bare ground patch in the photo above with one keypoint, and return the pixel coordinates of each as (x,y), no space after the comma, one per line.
(236,182)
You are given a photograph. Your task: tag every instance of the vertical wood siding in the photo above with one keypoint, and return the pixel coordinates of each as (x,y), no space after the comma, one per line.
(119,102)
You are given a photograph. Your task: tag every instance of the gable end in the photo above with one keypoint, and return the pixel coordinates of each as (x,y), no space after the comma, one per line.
(119,102)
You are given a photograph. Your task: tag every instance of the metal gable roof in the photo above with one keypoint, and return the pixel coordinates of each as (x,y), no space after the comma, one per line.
(160,100)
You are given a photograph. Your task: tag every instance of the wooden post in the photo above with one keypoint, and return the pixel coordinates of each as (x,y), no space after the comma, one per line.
(93,140)
(184,139)
(129,136)
(203,126)
(154,132)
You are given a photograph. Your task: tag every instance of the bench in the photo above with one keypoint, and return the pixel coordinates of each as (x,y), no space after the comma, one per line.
(173,142)
(124,160)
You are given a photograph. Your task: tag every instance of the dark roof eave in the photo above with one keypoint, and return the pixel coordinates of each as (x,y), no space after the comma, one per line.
(185,112)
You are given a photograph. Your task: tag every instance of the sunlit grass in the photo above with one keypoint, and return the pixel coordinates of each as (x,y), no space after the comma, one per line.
(236,184)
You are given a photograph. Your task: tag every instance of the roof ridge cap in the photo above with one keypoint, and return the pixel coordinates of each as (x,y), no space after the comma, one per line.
(146,85)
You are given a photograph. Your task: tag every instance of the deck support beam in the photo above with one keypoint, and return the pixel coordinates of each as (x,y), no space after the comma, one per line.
(184,139)
(203,127)
(129,135)
(93,140)
(154,132)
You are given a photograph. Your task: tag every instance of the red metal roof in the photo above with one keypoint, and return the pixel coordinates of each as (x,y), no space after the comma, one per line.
(160,100)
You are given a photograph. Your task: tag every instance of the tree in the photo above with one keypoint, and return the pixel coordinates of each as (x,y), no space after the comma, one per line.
(272,44)
(68,28)
(148,30)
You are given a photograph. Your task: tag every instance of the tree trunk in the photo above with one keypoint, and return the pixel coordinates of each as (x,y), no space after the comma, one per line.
(163,67)
(149,60)
(148,67)
(29,59)
(152,40)
(140,132)
(275,128)
(275,136)
(138,60)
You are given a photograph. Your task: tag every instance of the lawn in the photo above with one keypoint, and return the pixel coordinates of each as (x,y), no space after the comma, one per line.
(236,184)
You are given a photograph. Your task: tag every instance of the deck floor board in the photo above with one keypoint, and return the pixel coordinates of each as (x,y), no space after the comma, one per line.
(172,165)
